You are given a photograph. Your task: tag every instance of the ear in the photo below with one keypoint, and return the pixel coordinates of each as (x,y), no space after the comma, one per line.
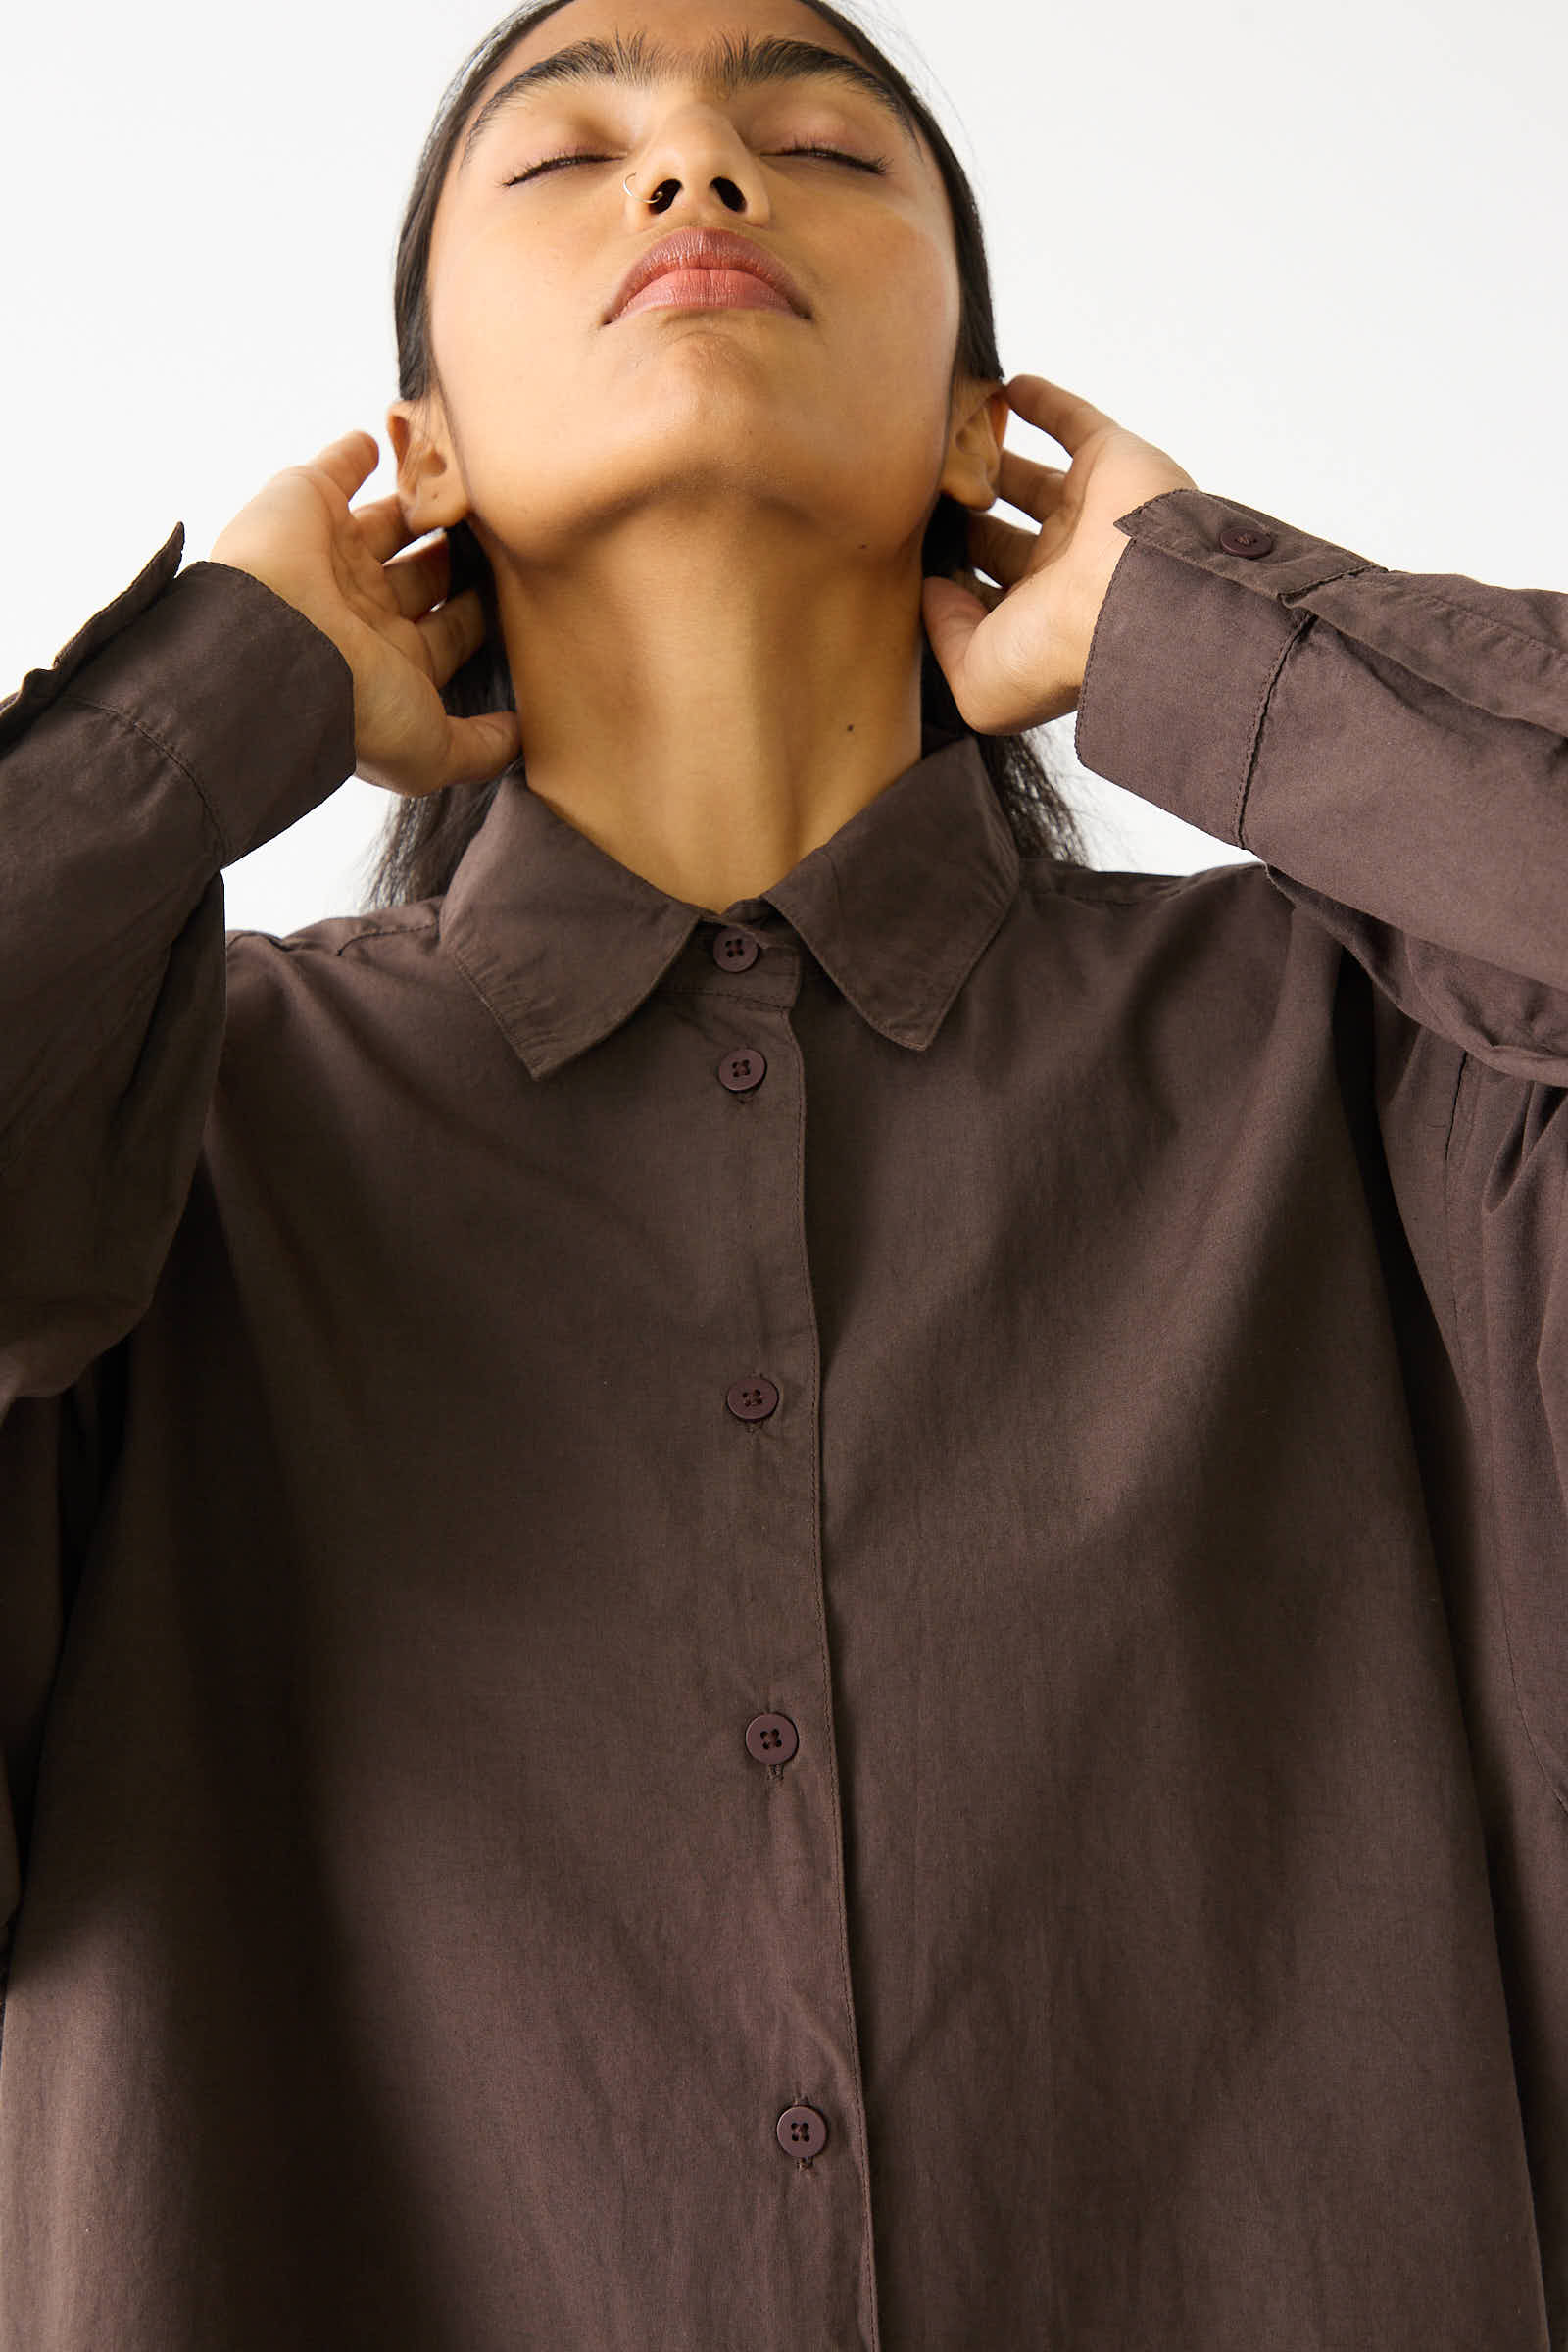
(430,487)
(974,446)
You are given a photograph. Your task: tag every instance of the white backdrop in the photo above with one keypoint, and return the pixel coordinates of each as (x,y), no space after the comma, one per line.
(1318,253)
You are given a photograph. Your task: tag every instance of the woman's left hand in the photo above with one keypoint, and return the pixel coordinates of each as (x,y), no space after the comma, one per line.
(1018,659)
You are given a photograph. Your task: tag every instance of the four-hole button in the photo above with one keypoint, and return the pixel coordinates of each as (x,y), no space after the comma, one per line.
(802,2131)
(736,950)
(742,1070)
(771,1738)
(752,1400)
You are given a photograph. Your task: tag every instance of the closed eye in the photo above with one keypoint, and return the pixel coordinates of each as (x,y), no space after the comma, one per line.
(835,155)
(553,162)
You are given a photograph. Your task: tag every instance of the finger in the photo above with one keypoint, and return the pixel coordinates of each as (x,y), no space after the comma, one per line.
(1001,548)
(480,748)
(385,527)
(453,634)
(1061,414)
(419,581)
(348,461)
(952,617)
(1033,489)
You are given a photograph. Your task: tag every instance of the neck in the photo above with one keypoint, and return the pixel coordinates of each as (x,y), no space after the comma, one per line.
(710,703)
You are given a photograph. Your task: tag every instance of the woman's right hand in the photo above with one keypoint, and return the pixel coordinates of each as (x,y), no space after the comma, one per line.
(300,537)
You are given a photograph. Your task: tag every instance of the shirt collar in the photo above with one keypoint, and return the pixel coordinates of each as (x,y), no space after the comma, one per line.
(564,942)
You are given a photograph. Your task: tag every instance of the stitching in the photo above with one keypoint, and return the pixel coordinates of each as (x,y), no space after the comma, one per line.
(1494,1575)
(1463,1071)
(1159,888)
(1099,616)
(381,931)
(544,1039)
(815,1417)
(493,1016)
(1450,1177)
(1449,604)
(85,701)
(298,946)
(735,996)
(1160,885)
(1259,717)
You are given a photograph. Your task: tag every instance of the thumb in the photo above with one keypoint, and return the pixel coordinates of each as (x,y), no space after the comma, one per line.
(952,617)
(480,748)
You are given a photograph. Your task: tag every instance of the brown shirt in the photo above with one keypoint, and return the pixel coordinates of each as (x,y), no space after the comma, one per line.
(839,1629)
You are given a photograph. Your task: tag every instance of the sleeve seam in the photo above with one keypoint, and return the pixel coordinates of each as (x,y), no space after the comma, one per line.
(1467,1068)
(289,944)
(1094,634)
(1259,722)
(166,750)
(1472,1069)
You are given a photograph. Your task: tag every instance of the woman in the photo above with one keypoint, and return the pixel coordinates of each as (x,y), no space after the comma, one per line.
(776,1572)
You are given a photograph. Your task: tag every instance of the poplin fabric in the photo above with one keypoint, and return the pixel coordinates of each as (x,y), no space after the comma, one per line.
(839,1623)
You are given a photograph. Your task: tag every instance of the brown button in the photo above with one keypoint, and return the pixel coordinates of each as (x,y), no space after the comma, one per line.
(771,1738)
(802,2131)
(736,950)
(752,1400)
(741,1071)
(1243,539)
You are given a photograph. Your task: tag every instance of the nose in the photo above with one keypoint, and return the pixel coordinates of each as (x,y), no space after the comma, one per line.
(697,156)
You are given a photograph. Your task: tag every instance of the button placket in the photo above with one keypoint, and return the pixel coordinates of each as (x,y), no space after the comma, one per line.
(771,1738)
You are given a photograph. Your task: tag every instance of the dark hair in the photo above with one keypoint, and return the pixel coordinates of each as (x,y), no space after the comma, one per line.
(425,836)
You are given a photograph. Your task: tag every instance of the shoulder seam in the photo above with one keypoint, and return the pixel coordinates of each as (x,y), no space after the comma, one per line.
(1077,883)
(294,946)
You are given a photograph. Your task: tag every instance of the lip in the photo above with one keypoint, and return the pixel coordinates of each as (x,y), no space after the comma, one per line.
(707,290)
(718,248)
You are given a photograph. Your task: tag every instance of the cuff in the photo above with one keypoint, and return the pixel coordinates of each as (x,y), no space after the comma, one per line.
(1192,633)
(223,677)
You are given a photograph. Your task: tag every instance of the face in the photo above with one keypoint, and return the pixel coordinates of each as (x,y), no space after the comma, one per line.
(554,419)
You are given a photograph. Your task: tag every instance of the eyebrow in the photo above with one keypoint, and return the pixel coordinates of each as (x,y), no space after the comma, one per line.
(726,67)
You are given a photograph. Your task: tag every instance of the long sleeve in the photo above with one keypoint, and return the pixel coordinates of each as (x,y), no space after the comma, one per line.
(1394,746)
(192,720)
(1391,745)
